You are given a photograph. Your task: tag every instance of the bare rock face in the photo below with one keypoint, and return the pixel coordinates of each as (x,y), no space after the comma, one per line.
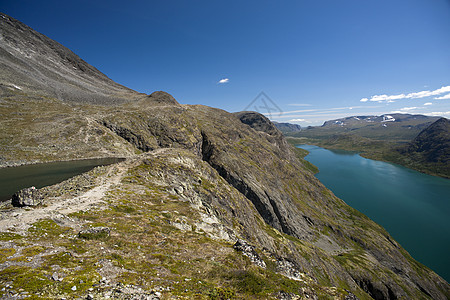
(258,122)
(249,251)
(27,197)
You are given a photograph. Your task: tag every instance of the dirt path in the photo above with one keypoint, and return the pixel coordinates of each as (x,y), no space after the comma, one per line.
(19,219)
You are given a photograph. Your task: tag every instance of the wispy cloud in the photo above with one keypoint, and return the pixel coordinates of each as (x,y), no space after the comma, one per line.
(428,103)
(438,114)
(298,111)
(298,120)
(403,110)
(415,95)
(443,97)
(325,110)
(223,80)
(299,104)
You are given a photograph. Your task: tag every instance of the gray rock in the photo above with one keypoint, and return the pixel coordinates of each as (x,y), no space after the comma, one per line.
(249,251)
(27,197)
(58,276)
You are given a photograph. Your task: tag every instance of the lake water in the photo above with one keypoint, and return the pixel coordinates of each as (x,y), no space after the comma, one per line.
(39,175)
(413,207)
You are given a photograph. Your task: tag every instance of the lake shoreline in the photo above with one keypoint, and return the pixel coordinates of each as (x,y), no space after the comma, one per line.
(378,156)
(4,165)
(13,179)
(410,205)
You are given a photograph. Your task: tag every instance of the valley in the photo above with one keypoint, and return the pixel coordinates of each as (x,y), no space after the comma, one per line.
(415,141)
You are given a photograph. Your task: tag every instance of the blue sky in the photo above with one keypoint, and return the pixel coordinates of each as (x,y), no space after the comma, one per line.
(314,60)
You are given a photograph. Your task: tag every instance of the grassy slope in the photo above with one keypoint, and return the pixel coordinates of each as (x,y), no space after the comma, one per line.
(159,238)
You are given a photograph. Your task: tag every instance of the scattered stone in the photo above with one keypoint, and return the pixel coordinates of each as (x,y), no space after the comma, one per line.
(289,270)
(27,197)
(74,288)
(249,251)
(58,276)
(350,296)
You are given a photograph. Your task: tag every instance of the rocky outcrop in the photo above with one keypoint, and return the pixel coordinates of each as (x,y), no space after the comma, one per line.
(249,251)
(258,122)
(130,136)
(428,152)
(433,143)
(287,127)
(27,197)
(161,97)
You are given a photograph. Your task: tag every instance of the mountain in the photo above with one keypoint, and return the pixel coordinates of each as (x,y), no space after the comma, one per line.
(414,141)
(364,120)
(206,204)
(34,64)
(433,143)
(394,127)
(287,127)
(430,150)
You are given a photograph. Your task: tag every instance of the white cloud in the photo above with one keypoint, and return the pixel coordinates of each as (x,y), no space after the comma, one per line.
(438,114)
(403,110)
(408,108)
(415,95)
(428,103)
(224,80)
(297,120)
(381,98)
(443,97)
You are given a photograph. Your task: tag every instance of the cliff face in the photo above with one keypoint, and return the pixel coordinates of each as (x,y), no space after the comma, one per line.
(208,204)
(429,151)
(433,143)
(288,127)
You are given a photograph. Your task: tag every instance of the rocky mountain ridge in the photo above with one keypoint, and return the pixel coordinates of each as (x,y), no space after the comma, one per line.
(35,64)
(392,127)
(397,117)
(287,127)
(208,204)
(430,149)
(433,142)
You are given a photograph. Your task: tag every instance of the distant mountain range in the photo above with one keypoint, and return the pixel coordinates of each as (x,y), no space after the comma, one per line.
(393,127)
(287,127)
(406,119)
(415,141)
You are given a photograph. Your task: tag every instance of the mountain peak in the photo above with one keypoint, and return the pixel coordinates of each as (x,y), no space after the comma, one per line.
(35,64)
(162,97)
(433,142)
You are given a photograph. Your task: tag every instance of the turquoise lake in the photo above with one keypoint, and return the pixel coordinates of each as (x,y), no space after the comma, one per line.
(39,175)
(413,207)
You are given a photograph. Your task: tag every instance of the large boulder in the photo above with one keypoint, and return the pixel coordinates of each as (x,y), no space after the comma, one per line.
(27,197)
